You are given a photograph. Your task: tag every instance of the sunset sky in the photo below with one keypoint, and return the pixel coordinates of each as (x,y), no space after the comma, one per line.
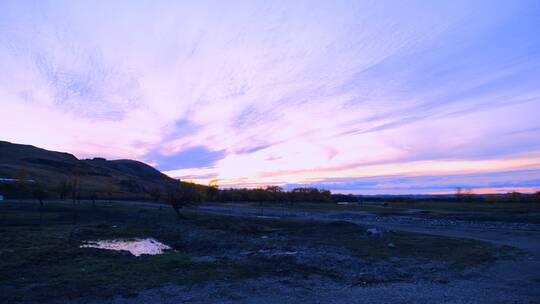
(353,96)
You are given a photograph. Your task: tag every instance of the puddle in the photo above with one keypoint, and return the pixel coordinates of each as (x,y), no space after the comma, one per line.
(135,246)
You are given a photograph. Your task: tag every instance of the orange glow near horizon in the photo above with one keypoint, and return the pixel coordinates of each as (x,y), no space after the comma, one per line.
(501,190)
(253,177)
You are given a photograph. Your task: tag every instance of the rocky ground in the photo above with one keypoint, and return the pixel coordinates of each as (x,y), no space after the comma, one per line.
(514,278)
(225,254)
(405,218)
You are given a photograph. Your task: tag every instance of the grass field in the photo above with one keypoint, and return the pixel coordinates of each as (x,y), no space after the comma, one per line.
(474,211)
(511,207)
(40,258)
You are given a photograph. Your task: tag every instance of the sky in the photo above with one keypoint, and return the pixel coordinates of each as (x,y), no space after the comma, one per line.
(366,97)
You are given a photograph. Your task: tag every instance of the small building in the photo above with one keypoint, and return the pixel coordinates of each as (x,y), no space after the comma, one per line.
(1,197)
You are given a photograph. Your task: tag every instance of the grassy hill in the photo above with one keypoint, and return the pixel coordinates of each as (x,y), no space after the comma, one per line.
(31,165)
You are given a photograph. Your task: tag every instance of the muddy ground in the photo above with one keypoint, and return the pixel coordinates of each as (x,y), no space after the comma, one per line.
(232,254)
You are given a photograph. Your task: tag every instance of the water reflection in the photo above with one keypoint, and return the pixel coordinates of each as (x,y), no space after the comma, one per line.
(134,246)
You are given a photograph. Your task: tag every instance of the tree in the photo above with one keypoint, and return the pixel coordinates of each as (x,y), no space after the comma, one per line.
(93,197)
(22,181)
(464,194)
(349,198)
(75,186)
(311,195)
(155,194)
(182,194)
(459,193)
(64,189)
(22,175)
(213,190)
(468,195)
(325,196)
(111,189)
(515,196)
(260,195)
(275,194)
(276,190)
(39,193)
(536,197)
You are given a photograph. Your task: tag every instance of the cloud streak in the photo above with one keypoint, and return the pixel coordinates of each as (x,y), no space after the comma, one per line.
(282,92)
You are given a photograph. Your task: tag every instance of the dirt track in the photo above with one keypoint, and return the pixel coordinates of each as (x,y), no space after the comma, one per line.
(523,236)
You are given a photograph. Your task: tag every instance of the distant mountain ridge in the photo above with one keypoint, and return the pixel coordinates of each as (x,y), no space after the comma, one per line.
(123,176)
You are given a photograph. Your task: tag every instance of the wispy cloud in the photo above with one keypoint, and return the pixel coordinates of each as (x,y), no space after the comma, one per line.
(277,92)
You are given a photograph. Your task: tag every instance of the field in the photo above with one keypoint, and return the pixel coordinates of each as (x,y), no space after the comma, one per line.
(220,258)
(475,211)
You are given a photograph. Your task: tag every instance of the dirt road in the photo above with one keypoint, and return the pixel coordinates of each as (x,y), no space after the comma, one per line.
(523,236)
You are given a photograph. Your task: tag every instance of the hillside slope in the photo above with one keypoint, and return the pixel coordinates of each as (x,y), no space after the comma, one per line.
(123,177)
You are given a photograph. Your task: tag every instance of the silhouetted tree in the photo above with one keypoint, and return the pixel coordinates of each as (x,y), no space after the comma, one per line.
(260,195)
(22,181)
(459,193)
(276,190)
(183,194)
(39,193)
(536,197)
(515,196)
(345,198)
(155,194)
(111,189)
(75,186)
(325,196)
(464,194)
(93,197)
(64,189)
(274,194)
(310,195)
(212,190)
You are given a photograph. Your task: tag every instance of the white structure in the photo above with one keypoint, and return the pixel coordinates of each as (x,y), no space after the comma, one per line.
(1,198)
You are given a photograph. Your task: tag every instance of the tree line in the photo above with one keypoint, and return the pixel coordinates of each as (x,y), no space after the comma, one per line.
(177,193)
(180,194)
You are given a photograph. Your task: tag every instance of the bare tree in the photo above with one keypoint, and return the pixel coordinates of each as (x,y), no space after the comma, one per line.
(75,186)
(155,194)
(40,193)
(94,197)
(183,194)
(64,189)
(22,183)
(536,197)
(459,193)
(213,190)
(111,189)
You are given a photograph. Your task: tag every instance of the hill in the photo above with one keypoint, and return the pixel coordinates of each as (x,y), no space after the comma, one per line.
(124,177)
